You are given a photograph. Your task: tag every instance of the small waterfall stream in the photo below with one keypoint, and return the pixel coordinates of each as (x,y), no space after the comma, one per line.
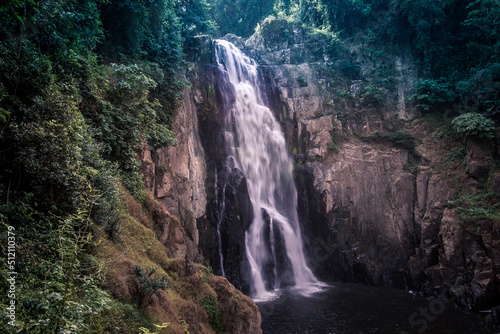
(273,242)
(221,208)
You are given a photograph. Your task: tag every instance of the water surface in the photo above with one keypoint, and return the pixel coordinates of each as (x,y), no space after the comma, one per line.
(354,309)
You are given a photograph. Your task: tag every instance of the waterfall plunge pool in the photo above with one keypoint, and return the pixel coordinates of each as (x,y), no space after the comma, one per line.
(348,308)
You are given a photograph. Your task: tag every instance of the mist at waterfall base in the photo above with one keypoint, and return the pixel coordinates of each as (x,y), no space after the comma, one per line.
(348,308)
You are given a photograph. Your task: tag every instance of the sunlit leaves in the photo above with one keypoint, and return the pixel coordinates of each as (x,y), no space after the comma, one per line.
(474,125)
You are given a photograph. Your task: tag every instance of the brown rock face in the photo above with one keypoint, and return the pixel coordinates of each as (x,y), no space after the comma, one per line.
(366,197)
(176,175)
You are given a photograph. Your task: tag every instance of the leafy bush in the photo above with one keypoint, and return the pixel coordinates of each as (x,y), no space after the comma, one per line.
(431,93)
(474,125)
(148,283)
(481,92)
(120,318)
(55,290)
(147,331)
(302,82)
(372,96)
(350,70)
(209,304)
(474,207)
(331,146)
(469,215)
(127,113)
(457,155)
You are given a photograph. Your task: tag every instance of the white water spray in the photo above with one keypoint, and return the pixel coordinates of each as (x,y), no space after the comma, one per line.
(260,150)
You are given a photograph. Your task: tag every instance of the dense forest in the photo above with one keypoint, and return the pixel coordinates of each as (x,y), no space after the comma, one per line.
(85,84)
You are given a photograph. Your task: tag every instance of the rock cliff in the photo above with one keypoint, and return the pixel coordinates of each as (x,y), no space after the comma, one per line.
(381,200)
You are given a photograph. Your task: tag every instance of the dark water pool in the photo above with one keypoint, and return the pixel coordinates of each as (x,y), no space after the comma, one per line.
(354,309)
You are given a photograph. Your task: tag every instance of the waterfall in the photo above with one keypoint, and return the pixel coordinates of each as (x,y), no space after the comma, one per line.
(258,146)
(221,208)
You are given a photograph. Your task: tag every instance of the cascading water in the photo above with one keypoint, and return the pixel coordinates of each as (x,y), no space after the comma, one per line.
(221,208)
(255,140)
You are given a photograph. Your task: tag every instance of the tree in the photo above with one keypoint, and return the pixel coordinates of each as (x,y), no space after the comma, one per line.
(431,93)
(239,17)
(474,125)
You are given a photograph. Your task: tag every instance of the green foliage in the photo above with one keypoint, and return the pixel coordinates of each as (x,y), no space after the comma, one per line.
(457,155)
(69,31)
(372,95)
(127,114)
(432,93)
(474,125)
(239,17)
(210,305)
(55,291)
(71,129)
(148,283)
(194,15)
(143,29)
(120,318)
(350,70)
(470,215)
(147,331)
(472,208)
(481,92)
(331,146)
(423,17)
(206,272)
(342,15)
(139,31)
(302,82)
(124,114)
(185,325)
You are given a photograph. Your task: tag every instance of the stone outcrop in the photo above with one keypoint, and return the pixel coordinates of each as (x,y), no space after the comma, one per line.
(366,197)
(176,175)
(152,238)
